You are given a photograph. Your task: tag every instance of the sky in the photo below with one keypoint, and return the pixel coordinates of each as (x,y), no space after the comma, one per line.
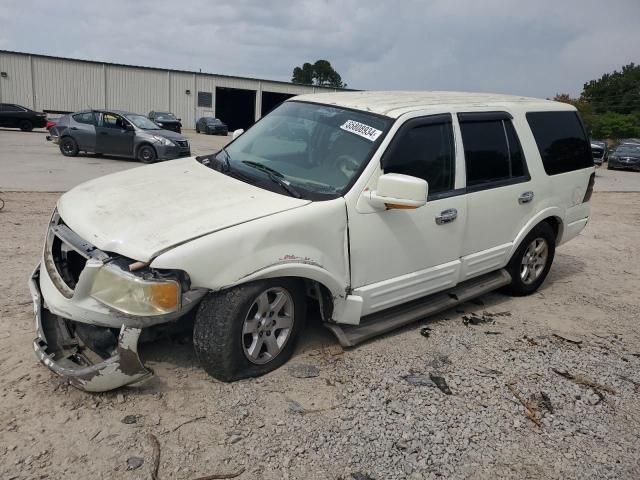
(524,47)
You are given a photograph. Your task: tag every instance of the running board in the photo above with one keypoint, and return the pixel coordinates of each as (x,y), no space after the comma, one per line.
(382,322)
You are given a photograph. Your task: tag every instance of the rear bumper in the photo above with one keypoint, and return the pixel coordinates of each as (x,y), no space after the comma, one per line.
(57,347)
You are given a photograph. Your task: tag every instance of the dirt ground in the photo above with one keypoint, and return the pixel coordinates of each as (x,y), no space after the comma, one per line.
(592,297)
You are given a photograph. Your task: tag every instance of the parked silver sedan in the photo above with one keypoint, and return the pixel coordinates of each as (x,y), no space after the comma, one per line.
(113,132)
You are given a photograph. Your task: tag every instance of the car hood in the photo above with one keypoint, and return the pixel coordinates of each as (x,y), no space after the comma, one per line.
(142,212)
(166,134)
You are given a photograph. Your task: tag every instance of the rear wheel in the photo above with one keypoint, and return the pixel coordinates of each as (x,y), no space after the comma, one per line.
(609,167)
(146,154)
(26,126)
(249,330)
(532,261)
(197,129)
(68,147)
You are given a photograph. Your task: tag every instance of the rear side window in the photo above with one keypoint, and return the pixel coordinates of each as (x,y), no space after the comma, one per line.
(7,107)
(86,117)
(424,149)
(492,150)
(561,141)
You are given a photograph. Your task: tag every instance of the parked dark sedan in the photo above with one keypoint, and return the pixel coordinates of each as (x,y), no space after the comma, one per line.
(113,132)
(599,151)
(210,125)
(626,156)
(17,116)
(166,120)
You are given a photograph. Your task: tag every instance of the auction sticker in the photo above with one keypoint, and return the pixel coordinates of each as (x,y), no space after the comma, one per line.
(361,129)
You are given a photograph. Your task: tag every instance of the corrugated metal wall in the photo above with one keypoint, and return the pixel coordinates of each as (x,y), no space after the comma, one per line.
(17,86)
(58,84)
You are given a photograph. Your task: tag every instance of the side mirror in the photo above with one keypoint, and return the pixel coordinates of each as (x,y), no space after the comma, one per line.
(395,190)
(237,133)
(128,127)
(179,119)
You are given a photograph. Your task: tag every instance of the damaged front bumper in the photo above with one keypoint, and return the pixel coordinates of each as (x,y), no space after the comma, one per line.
(65,354)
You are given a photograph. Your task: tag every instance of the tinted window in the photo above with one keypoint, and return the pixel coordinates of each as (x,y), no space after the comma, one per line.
(86,117)
(110,120)
(12,108)
(492,151)
(561,141)
(425,151)
(205,99)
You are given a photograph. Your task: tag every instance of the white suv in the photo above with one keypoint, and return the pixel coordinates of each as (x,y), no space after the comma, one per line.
(371,209)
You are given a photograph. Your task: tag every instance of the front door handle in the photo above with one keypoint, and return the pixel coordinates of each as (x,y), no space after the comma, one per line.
(447,216)
(526,197)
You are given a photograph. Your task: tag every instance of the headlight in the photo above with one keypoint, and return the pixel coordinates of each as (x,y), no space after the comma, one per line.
(163,141)
(133,295)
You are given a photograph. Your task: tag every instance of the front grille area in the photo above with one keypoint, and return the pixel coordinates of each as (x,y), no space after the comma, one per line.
(597,152)
(66,255)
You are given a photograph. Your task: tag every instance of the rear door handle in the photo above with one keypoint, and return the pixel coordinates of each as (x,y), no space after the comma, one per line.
(526,197)
(447,216)
(74,128)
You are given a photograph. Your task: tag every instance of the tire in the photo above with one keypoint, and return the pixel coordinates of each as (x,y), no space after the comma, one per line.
(26,126)
(536,251)
(146,154)
(98,155)
(609,167)
(197,129)
(68,147)
(220,345)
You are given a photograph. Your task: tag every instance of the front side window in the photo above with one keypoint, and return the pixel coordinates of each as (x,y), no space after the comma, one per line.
(111,120)
(424,148)
(317,149)
(561,141)
(491,149)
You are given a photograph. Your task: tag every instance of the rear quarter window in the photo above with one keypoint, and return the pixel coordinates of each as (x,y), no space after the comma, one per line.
(561,140)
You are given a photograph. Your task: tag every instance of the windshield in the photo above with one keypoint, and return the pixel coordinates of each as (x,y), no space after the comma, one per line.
(164,116)
(628,150)
(317,149)
(212,121)
(142,122)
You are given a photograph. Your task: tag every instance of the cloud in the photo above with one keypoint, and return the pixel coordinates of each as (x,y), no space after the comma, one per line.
(524,47)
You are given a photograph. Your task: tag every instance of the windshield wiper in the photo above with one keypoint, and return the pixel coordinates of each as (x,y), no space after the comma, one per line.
(275,176)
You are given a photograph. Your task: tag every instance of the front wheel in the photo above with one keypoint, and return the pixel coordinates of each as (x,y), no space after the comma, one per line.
(249,330)
(26,126)
(68,147)
(532,261)
(146,154)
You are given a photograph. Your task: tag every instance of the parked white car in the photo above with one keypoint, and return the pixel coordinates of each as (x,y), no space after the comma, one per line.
(373,209)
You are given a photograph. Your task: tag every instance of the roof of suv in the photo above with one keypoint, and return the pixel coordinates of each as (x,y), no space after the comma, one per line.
(396,103)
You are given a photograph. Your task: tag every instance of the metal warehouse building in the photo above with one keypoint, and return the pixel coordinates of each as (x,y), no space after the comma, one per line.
(61,85)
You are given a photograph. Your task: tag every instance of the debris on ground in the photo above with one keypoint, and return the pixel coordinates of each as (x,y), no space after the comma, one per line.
(302,370)
(419,380)
(568,338)
(155,455)
(545,402)
(598,388)
(134,463)
(425,332)
(487,372)
(295,407)
(217,476)
(361,476)
(191,420)
(474,319)
(130,419)
(491,332)
(496,314)
(529,408)
(441,383)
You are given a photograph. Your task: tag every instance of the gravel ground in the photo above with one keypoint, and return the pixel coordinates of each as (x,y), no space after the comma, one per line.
(539,387)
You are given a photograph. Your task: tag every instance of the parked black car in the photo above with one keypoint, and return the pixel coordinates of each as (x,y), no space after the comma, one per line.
(210,125)
(599,151)
(113,132)
(626,156)
(166,120)
(17,116)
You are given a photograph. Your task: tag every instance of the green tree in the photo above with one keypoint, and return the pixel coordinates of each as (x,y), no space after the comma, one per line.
(321,73)
(616,125)
(586,112)
(615,92)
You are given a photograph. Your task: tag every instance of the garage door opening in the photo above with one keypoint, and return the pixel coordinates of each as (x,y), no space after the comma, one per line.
(236,107)
(271,100)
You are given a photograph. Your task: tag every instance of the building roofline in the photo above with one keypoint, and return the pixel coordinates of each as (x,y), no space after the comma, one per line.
(191,72)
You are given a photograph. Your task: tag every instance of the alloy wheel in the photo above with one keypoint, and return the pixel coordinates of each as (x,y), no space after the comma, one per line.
(268,325)
(534,261)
